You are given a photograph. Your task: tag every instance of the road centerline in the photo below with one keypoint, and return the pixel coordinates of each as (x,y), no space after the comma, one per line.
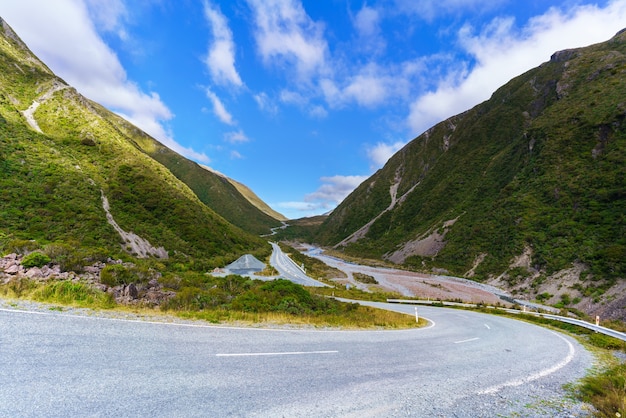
(466,341)
(278,353)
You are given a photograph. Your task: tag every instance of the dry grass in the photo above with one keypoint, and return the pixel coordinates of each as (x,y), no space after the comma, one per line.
(361,318)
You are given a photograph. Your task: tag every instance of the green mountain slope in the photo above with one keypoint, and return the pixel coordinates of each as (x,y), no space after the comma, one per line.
(62,157)
(530,183)
(251,197)
(214,190)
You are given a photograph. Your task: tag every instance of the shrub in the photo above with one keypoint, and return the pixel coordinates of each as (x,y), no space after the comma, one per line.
(364,278)
(35,259)
(116,274)
(606,342)
(21,246)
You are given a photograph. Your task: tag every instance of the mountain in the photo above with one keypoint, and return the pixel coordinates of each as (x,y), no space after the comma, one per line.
(215,190)
(76,175)
(526,190)
(255,200)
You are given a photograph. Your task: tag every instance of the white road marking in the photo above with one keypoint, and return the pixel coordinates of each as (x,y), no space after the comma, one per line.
(466,341)
(542,373)
(287,353)
(487,326)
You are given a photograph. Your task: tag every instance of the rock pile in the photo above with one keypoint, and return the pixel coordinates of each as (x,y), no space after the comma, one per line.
(150,293)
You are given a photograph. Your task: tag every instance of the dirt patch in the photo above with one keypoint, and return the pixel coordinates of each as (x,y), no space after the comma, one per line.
(412,284)
(427,245)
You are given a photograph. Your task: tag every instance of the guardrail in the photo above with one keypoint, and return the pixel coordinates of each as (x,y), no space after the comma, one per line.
(596,328)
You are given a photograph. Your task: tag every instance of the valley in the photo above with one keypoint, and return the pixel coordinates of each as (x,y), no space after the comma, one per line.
(115,296)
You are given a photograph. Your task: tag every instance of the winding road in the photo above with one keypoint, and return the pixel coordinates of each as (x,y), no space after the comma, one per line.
(289,270)
(465,364)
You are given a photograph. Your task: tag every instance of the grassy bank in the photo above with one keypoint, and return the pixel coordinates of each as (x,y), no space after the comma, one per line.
(222,300)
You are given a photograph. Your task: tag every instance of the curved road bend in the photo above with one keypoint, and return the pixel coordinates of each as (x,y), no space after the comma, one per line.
(466,364)
(288,269)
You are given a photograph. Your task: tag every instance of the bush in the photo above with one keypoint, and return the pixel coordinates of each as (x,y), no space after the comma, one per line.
(35,259)
(21,246)
(364,278)
(116,274)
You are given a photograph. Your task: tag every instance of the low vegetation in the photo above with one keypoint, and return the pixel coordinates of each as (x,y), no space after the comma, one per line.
(606,391)
(364,278)
(539,166)
(216,299)
(238,298)
(63,292)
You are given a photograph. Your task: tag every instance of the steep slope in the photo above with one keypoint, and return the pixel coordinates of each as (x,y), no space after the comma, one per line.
(255,200)
(526,185)
(69,175)
(214,190)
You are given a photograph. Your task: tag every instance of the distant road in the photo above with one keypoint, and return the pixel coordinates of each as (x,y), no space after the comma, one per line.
(287,268)
(465,364)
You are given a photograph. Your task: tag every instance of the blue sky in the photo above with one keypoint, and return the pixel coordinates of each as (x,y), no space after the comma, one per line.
(301,100)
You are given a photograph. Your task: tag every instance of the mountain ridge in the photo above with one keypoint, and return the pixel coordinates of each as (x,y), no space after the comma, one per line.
(62,156)
(533,173)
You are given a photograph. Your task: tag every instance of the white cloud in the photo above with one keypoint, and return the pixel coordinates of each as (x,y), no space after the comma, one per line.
(368,89)
(501,53)
(285,34)
(234,155)
(89,64)
(109,16)
(334,190)
(221,56)
(318,112)
(265,103)
(381,152)
(293,97)
(366,21)
(219,109)
(369,40)
(372,85)
(236,137)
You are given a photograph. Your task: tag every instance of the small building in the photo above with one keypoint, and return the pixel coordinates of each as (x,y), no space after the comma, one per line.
(246,264)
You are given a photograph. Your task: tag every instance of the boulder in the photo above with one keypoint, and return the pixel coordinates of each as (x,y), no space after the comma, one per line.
(131,291)
(34,273)
(14,269)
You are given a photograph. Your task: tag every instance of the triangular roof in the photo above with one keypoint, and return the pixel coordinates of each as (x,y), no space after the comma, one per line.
(246,262)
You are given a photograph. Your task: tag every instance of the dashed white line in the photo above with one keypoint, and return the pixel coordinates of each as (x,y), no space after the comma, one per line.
(466,341)
(286,353)
(487,326)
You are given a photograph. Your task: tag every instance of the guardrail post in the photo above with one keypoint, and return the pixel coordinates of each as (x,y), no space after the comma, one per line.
(417,318)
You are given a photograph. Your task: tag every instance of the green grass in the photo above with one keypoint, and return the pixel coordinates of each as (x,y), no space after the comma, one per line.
(223,300)
(606,391)
(64,292)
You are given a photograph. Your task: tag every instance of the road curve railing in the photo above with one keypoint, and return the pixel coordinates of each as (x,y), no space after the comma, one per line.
(596,328)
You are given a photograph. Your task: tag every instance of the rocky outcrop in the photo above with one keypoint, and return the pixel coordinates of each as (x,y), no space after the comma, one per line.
(145,294)
(136,245)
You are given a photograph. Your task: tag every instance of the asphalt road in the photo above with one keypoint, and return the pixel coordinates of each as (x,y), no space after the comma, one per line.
(289,270)
(464,364)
